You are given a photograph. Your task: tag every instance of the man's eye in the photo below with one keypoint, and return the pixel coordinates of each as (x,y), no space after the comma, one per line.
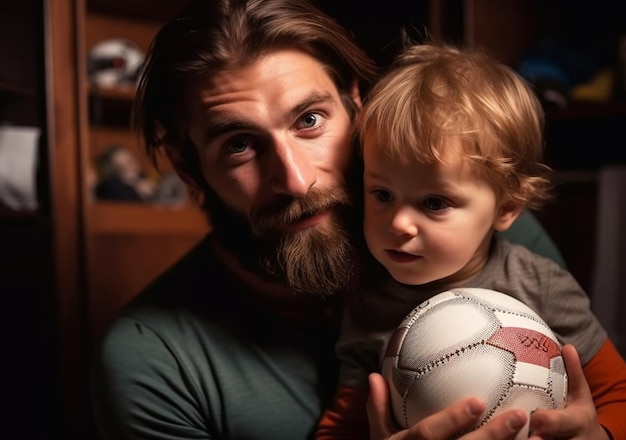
(238,145)
(435,204)
(310,120)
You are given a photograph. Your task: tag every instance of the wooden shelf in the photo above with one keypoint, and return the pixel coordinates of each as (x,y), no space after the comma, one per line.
(121,93)
(118,218)
(111,106)
(15,89)
(587,110)
(7,214)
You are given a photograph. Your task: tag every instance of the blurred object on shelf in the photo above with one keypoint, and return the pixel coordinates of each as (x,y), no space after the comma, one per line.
(114,62)
(598,89)
(555,70)
(120,177)
(171,190)
(18,167)
(117,175)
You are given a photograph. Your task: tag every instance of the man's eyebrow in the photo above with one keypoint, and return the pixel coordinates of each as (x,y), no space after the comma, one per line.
(221,123)
(225,123)
(311,100)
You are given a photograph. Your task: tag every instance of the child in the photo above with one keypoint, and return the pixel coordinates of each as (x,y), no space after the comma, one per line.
(452,146)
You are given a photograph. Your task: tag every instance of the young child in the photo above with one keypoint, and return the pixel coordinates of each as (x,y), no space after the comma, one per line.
(452,146)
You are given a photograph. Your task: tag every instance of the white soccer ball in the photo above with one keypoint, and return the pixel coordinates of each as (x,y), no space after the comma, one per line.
(473,342)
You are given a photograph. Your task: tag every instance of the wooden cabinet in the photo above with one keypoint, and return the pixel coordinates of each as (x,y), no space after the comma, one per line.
(126,244)
(68,265)
(30,342)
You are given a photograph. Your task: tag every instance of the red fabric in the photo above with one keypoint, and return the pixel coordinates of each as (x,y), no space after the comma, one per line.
(347,417)
(606,376)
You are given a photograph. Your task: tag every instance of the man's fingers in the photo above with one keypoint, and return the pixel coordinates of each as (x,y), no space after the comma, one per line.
(450,421)
(378,408)
(580,412)
(502,427)
(578,395)
(577,383)
(444,424)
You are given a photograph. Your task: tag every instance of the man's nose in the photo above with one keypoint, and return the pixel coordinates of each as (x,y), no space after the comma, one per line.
(292,171)
(403,222)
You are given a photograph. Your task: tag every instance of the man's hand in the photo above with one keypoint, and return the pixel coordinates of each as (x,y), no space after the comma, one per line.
(439,426)
(579,419)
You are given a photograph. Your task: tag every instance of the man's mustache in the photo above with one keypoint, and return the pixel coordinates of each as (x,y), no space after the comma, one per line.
(270,219)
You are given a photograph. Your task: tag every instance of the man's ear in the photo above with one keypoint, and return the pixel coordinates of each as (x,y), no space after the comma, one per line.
(180,166)
(355,93)
(507,214)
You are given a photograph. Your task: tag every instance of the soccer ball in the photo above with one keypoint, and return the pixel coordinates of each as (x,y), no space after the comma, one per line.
(473,342)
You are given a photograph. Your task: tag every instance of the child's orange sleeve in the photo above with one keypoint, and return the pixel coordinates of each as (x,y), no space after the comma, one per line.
(606,376)
(346,418)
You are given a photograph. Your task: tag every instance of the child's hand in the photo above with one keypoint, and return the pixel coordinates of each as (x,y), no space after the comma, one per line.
(579,419)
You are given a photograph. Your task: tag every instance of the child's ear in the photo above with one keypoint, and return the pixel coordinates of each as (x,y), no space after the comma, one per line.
(507,214)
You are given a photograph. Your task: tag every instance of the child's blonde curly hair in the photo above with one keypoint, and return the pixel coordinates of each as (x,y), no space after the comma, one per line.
(434,94)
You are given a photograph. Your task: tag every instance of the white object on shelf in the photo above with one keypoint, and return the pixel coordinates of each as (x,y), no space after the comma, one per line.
(18,167)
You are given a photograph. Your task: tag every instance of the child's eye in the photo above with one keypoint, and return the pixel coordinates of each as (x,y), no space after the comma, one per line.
(382,195)
(436,204)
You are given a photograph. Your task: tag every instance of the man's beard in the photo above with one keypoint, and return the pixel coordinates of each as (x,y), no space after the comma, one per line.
(317,260)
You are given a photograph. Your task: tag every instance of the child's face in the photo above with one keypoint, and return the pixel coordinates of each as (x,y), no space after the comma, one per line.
(427,222)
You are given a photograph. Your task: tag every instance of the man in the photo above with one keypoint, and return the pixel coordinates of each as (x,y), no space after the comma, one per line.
(253,102)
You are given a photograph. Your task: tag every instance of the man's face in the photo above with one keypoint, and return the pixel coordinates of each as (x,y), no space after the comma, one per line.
(274,142)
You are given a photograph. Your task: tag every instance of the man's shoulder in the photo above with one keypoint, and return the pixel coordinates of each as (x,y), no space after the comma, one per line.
(520,257)
(190,290)
(530,233)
